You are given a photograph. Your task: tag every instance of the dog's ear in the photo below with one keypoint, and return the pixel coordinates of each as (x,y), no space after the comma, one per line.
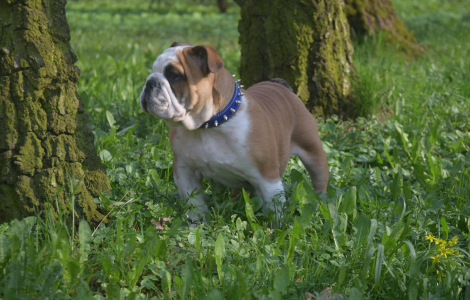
(207,58)
(176,44)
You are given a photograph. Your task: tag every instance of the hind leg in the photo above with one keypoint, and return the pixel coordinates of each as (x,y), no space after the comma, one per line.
(316,166)
(306,144)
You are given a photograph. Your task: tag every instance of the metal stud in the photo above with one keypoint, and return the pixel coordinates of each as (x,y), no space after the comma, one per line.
(225,118)
(241,94)
(238,102)
(233,75)
(241,86)
(239,80)
(216,123)
(232,110)
(207,125)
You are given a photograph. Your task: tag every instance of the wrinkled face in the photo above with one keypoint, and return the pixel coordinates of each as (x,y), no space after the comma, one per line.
(181,89)
(166,89)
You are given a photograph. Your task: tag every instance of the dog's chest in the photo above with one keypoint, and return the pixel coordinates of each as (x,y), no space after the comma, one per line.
(207,151)
(220,154)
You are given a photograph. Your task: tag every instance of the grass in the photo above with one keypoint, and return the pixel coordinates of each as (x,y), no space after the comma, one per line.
(395,221)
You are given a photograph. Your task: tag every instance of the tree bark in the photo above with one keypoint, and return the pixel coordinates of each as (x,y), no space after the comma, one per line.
(44,136)
(222,4)
(372,16)
(307,43)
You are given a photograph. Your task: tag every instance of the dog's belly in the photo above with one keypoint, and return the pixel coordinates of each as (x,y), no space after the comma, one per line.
(225,176)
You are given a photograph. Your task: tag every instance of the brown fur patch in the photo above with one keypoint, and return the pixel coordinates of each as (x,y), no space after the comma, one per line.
(205,87)
(174,73)
(280,121)
(207,58)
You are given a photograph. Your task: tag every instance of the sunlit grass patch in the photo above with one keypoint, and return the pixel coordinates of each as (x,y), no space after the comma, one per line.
(395,221)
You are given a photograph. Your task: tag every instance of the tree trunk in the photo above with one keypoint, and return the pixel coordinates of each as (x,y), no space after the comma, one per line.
(44,136)
(372,16)
(222,4)
(307,43)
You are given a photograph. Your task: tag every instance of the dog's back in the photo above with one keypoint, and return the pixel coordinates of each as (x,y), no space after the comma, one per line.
(277,113)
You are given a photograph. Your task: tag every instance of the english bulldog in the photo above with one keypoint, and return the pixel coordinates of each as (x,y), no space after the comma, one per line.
(238,138)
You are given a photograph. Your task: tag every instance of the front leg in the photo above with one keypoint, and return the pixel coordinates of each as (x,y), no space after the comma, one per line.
(189,182)
(270,190)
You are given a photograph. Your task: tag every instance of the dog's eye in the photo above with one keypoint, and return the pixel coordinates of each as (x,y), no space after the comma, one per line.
(175,76)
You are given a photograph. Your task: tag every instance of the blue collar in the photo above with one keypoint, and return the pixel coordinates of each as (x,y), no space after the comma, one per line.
(227,112)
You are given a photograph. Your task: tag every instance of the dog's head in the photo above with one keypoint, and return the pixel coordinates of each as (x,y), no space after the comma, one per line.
(182,87)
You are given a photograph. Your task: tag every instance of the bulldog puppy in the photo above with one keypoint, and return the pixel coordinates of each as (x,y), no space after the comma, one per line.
(238,138)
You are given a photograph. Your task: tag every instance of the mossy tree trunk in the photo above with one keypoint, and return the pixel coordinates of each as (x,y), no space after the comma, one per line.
(43,126)
(307,43)
(222,4)
(372,16)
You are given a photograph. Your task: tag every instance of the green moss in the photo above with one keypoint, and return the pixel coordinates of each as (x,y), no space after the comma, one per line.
(8,121)
(30,153)
(26,191)
(9,206)
(373,16)
(96,180)
(304,40)
(6,167)
(306,43)
(47,142)
(63,147)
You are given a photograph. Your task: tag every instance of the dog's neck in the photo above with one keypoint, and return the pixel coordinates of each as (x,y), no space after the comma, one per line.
(227,112)
(222,93)
(223,90)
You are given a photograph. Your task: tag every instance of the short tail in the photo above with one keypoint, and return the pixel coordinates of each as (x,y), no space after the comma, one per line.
(282,82)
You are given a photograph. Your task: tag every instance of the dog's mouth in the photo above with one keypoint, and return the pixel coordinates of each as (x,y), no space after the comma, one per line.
(143,104)
(158,99)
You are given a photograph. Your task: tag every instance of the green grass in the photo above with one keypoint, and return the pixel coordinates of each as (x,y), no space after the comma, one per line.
(398,174)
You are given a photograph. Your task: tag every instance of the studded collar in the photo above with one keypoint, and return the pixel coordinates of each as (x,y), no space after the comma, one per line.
(228,111)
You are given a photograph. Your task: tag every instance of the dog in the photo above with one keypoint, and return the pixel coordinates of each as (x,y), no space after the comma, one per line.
(238,138)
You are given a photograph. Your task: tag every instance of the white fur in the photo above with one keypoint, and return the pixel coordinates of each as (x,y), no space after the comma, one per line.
(220,154)
(168,56)
(164,104)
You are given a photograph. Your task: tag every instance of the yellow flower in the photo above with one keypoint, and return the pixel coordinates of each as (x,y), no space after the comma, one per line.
(442,248)
(454,241)
(457,253)
(447,252)
(430,238)
(440,275)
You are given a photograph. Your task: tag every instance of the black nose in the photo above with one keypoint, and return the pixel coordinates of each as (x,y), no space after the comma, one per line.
(151,84)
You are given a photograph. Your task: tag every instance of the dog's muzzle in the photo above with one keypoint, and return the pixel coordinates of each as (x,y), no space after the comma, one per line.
(158,99)
(148,89)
